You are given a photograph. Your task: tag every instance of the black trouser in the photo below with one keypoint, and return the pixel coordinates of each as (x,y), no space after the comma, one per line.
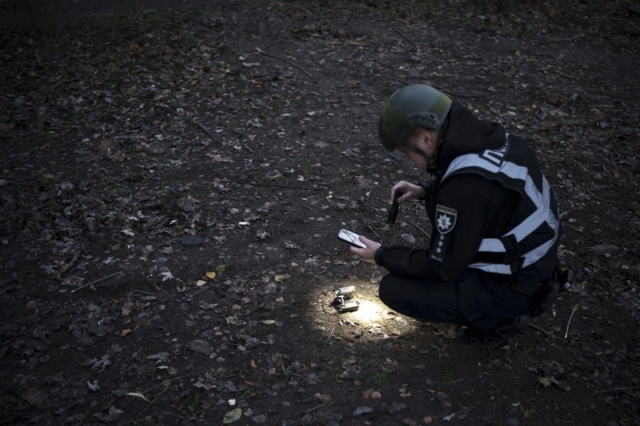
(466,301)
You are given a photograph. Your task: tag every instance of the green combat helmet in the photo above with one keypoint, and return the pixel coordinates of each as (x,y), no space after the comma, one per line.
(410,107)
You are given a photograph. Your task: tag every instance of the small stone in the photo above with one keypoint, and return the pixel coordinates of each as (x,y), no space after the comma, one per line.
(606,250)
(409,238)
(260,418)
(396,408)
(362,410)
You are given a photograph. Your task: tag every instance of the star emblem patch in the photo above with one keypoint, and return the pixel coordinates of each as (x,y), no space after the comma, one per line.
(445,219)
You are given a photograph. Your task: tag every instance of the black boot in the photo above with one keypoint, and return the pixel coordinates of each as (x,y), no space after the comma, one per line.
(494,337)
(564,280)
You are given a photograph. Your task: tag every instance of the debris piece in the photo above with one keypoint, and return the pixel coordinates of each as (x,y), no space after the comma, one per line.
(362,410)
(606,250)
(200,346)
(191,240)
(396,407)
(232,416)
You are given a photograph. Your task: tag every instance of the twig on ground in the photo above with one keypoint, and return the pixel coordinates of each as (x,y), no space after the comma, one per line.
(569,322)
(151,403)
(207,131)
(425,232)
(95,282)
(594,265)
(388,77)
(535,327)
(330,334)
(618,389)
(604,201)
(458,95)
(372,230)
(555,40)
(87,192)
(288,186)
(370,188)
(612,75)
(314,408)
(143,292)
(68,266)
(284,60)
(408,39)
(305,206)
(166,381)
(165,169)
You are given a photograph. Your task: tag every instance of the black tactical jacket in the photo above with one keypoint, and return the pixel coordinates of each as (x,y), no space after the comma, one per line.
(490,208)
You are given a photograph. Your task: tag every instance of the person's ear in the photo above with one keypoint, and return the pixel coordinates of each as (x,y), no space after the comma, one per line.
(428,138)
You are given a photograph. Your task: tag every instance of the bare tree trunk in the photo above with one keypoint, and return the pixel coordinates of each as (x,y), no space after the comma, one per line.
(508,6)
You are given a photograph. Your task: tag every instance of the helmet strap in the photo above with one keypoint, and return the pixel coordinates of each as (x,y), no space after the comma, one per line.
(430,159)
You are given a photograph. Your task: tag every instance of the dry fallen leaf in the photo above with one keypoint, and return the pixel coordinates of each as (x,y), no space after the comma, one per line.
(139,395)
(200,346)
(200,283)
(324,398)
(367,393)
(34,396)
(232,416)
(5,127)
(211,275)
(125,332)
(107,145)
(219,159)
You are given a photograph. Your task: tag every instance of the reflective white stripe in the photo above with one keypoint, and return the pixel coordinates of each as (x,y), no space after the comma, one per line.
(542,214)
(538,217)
(537,253)
(492,245)
(470,160)
(492,267)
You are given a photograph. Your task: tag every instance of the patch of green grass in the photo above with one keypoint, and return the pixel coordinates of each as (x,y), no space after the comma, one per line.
(449,376)
(381,378)
(54,206)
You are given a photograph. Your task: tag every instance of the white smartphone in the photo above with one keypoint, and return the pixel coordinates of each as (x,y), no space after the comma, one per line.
(350,238)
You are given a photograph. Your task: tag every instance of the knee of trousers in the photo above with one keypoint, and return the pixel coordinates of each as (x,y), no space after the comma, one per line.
(387,291)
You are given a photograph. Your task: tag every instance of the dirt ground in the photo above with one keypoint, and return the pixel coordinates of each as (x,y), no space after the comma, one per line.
(173,184)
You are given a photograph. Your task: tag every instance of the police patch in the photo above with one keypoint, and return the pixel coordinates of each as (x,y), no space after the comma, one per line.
(445,219)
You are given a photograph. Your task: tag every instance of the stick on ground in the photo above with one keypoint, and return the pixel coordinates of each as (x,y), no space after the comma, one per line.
(284,60)
(407,38)
(95,282)
(569,322)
